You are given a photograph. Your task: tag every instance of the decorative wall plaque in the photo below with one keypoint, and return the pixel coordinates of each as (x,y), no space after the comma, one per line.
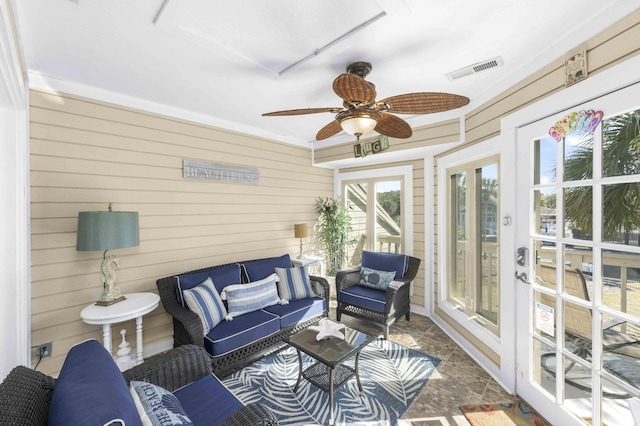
(575,68)
(220,172)
(371,147)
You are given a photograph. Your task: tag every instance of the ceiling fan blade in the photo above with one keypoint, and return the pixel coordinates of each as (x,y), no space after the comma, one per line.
(301,111)
(329,130)
(352,87)
(424,102)
(395,127)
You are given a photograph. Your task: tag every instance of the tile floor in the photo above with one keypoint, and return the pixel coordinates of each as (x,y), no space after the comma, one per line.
(458,379)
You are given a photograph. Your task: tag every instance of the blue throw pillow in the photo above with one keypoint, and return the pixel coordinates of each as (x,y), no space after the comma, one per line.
(91,390)
(262,268)
(372,278)
(157,406)
(293,283)
(243,298)
(386,262)
(205,301)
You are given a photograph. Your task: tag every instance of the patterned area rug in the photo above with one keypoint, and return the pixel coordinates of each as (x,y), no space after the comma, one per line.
(506,414)
(392,377)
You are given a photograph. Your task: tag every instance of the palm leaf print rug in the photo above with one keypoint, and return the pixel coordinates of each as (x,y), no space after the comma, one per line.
(392,377)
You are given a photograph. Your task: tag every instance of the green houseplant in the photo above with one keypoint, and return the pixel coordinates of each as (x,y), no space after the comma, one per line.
(333,228)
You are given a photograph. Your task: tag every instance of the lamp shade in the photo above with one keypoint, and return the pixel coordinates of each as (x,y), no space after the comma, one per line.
(107,230)
(300,230)
(358,122)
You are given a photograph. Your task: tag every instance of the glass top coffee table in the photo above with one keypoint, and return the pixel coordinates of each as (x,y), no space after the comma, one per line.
(329,373)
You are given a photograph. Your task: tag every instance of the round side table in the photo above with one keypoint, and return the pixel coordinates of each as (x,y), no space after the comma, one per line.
(135,306)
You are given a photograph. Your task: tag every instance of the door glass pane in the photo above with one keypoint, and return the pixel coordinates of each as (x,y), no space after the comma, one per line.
(621,213)
(458,285)
(544,366)
(621,145)
(487,181)
(545,202)
(578,210)
(356,194)
(388,217)
(579,257)
(578,157)
(545,161)
(621,281)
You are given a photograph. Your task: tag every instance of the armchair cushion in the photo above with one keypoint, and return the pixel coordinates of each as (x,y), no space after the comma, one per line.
(385,262)
(365,297)
(243,298)
(91,390)
(205,301)
(293,283)
(207,401)
(375,279)
(262,268)
(157,406)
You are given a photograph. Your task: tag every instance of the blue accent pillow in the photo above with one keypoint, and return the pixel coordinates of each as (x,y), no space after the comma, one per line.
(386,262)
(378,280)
(157,406)
(205,301)
(243,298)
(262,268)
(91,390)
(293,283)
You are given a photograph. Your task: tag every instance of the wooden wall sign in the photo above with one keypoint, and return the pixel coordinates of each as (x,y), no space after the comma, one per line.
(219,172)
(371,147)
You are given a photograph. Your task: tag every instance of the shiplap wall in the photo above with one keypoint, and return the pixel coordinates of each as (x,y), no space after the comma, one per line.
(610,47)
(86,154)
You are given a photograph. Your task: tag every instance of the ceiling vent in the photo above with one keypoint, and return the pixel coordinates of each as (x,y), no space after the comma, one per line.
(472,69)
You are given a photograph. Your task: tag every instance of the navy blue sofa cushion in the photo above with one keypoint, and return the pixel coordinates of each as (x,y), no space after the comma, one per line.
(262,268)
(385,262)
(242,330)
(364,296)
(297,310)
(221,277)
(91,390)
(207,401)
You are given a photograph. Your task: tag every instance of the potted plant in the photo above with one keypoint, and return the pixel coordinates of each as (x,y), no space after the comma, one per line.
(333,228)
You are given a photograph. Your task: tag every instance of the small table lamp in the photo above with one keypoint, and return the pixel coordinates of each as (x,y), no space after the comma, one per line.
(105,231)
(300,231)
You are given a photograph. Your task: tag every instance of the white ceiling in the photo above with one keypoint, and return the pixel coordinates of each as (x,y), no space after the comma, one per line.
(222,61)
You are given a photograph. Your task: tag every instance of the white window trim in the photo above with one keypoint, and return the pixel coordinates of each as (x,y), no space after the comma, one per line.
(466,156)
(407,174)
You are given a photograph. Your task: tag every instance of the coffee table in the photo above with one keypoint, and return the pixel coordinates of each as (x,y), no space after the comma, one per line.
(329,373)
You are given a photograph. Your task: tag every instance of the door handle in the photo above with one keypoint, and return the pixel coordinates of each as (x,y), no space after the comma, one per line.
(522,276)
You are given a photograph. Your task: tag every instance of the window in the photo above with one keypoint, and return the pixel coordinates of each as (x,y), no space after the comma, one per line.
(472,282)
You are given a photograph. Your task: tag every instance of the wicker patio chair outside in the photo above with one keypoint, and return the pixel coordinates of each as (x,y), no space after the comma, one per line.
(397,297)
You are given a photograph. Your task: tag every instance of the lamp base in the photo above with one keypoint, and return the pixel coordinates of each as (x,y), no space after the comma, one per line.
(110,302)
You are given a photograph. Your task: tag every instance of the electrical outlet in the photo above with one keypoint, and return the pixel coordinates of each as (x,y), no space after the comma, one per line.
(44,350)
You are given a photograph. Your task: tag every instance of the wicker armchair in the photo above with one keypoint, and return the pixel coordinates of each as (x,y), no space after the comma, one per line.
(25,394)
(396,298)
(187,327)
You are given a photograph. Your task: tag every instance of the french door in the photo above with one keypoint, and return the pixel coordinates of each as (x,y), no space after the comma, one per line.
(578,262)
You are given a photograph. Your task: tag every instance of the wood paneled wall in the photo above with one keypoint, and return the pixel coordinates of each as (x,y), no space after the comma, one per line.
(86,154)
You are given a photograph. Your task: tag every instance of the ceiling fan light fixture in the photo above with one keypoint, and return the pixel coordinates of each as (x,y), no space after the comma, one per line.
(358,122)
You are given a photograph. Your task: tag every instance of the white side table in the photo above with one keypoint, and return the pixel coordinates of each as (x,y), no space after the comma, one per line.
(310,260)
(135,306)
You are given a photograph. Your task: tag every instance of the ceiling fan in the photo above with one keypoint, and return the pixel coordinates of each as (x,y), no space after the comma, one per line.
(360,113)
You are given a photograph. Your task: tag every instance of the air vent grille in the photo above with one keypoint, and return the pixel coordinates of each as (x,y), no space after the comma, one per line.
(472,69)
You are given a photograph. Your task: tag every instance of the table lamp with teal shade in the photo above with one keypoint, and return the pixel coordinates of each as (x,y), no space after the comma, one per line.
(107,230)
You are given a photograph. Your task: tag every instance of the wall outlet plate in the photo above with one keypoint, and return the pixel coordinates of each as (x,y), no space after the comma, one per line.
(44,350)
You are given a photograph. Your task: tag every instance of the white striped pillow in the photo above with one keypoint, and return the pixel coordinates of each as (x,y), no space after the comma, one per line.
(205,301)
(243,298)
(294,283)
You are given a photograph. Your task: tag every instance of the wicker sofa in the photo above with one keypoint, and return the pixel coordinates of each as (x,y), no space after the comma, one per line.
(91,390)
(234,344)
